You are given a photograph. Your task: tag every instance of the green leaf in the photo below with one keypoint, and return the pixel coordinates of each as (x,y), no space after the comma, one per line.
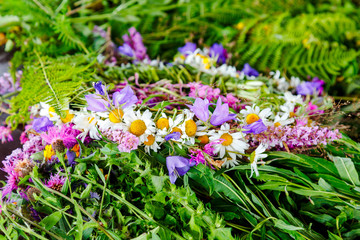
(284,226)
(86,192)
(101,175)
(50,221)
(202,175)
(346,169)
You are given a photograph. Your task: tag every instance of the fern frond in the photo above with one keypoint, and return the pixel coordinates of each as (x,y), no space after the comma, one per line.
(50,80)
(66,33)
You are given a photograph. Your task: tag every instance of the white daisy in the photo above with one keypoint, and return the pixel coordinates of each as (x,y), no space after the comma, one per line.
(233,143)
(253,114)
(255,156)
(166,125)
(281,82)
(48,111)
(86,122)
(283,120)
(293,99)
(153,142)
(188,128)
(113,120)
(288,109)
(141,125)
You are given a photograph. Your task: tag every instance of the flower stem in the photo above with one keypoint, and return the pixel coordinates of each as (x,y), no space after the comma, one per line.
(103,194)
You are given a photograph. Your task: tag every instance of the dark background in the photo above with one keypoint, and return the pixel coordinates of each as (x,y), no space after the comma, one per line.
(6,148)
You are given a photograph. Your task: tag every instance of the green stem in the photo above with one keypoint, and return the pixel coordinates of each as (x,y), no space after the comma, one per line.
(81,209)
(103,193)
(61,159)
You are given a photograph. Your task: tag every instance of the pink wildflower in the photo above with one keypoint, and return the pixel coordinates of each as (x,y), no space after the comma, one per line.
(12,169)
(67,134)
(233,102)
(33,145)
(203,91)
(126,140)
(197,156)
(312,109)
(5,134)
(296,137)
(55,182)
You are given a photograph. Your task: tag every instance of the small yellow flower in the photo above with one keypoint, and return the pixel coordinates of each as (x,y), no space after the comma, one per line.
(48,152)
(3,39)
(240,26)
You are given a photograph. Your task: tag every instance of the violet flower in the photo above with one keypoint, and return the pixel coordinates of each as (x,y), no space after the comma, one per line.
(125,97)
(134,40)
(100,88)
(126,50)
(310,88)
(221,114)
(249,71)
(177,166)
(201,109)
(189,47)
(217,50)
(256,127)
(42,124)
(71,157)
(174,135)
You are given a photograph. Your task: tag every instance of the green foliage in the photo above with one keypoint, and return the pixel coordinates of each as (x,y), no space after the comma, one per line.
(135,198)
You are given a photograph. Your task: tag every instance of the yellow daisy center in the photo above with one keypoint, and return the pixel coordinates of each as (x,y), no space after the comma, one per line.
(150,140)
(68,117)
(138,127)
(48,152)
(190,127)
(162,123)
(203,139)
(277,124)
(228,139)
(176,129)
(292,114)
(116,115)
(251,118)
(51,111)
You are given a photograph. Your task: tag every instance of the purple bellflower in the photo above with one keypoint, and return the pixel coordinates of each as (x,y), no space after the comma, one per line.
(217,50)
(221,114)
(126,50)
(100,102)
(174,135)
(125,97)
(96,103)
(201,109)
(189,47)
(177,166)
(42,124)
(256,127)
(309,88)
(249,71)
